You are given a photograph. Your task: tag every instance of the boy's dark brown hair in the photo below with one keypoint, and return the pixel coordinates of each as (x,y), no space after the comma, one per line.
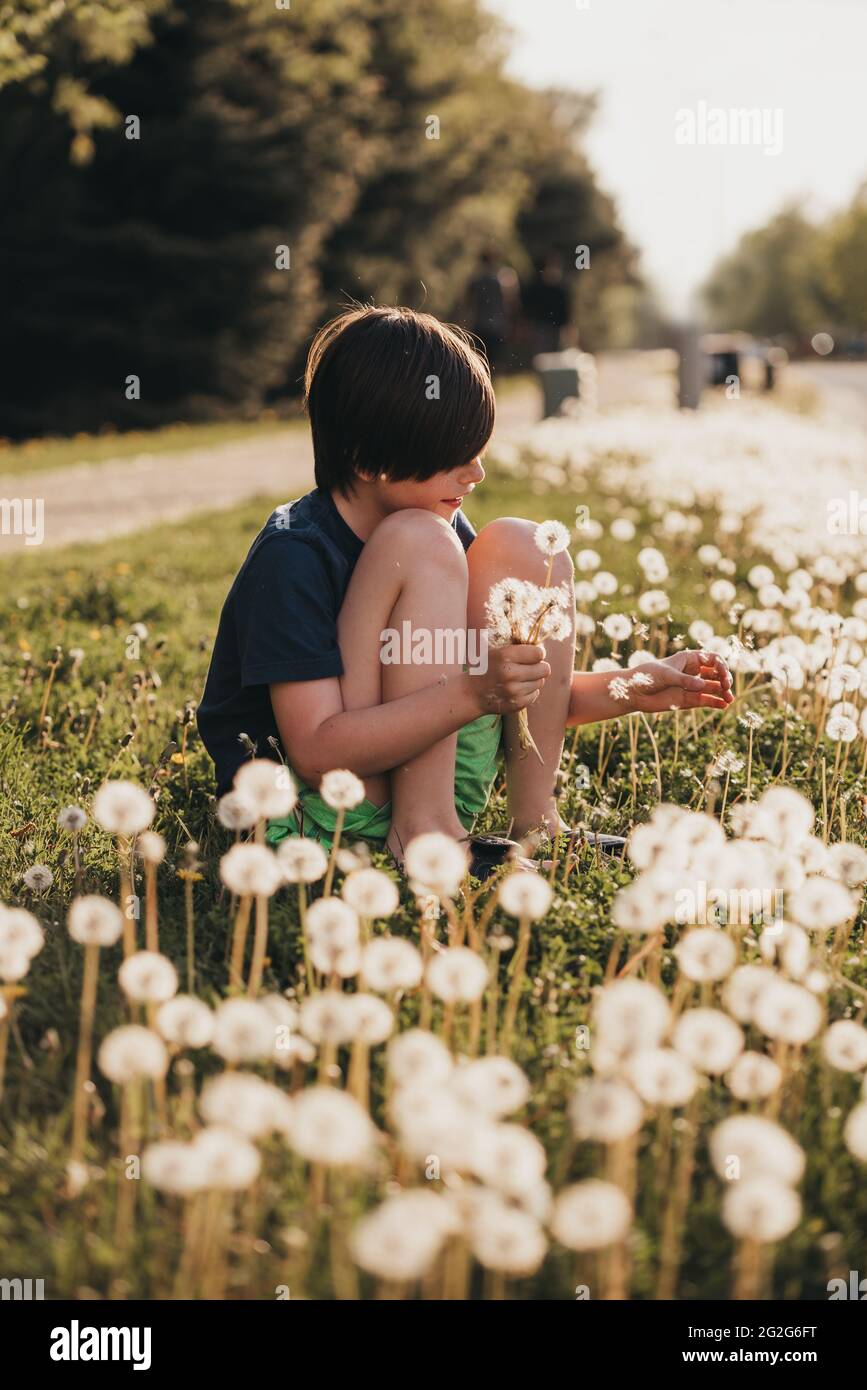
(396,392)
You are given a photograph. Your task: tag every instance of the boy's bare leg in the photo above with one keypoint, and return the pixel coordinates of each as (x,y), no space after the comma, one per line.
(506,548)
(413,568)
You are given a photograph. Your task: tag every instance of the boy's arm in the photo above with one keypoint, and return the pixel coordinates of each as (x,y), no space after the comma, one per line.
(318,734)
(687,680)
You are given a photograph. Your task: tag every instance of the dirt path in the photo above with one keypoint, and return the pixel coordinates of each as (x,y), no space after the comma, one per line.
(92,502)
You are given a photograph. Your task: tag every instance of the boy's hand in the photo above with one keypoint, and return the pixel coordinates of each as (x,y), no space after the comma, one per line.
(687,680)
(513,680)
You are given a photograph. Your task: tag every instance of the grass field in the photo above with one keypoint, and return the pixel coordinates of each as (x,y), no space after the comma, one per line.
(87,694)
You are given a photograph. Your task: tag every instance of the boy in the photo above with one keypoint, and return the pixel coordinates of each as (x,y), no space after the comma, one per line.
(401,408)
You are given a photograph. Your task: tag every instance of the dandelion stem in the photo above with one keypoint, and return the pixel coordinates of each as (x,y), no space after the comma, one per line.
(518,966)
(152,940)
(191,934)
(85,1049)
(4,1039)
(239,941)
(335,845)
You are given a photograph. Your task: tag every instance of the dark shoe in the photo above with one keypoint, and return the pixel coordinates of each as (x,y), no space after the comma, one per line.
(488,852)
(572,840)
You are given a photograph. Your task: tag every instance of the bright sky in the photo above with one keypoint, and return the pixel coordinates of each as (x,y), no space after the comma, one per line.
(802,62)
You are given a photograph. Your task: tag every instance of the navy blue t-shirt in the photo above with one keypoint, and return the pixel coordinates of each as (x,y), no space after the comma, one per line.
(279,623)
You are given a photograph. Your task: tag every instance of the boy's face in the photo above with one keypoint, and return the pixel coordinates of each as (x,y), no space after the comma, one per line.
(443,493)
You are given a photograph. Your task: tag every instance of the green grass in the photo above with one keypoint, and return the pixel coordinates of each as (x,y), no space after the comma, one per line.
(120,712)
(42,455)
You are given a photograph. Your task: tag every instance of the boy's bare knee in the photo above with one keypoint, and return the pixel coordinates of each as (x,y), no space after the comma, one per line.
(413,536)
(514,538)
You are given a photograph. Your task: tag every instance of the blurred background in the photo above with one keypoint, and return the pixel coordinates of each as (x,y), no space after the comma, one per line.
(192,186)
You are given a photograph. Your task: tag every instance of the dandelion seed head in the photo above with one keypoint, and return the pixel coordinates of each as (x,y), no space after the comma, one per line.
(122,808)
(94,921)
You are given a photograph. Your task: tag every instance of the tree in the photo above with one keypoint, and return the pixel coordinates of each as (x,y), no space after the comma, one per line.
(843,264)
(46,41)
(159,259)
(236,171)
(770,285)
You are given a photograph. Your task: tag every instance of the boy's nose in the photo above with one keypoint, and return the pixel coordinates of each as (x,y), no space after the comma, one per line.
(476,475)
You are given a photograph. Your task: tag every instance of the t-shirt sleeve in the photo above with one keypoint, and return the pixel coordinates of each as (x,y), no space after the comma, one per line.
(287,615)
(465,529)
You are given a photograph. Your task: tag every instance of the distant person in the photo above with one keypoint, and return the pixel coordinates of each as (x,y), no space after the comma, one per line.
(491,303)
(547,307)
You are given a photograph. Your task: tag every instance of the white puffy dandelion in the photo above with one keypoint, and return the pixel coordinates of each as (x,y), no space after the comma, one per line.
(754,1077)
(591,1215)
(457,975)
(185,1021)
(38,878)
(844,1045)
(251,870)
(855,1132)
(341,789)
(131,1053)
(417,1057)
(122,808)
(236,812)
(390,964)
(371,893)
(302,860)
(525,894)
(94,921)
(243,1031)
(709,1039)
(761,1209)
(605,1111)
(147,977)
(267,786)
(436,863)
(331,1127)
(788,1012)
(706,954)
(662,1076)
(748,1146)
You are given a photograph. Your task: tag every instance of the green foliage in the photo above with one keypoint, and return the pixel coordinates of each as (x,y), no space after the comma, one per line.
(154,252)
(844,263)
(793,276)
(770,284)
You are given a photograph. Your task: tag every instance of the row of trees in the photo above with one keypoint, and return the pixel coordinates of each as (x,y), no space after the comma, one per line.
(795,276)
(155,156)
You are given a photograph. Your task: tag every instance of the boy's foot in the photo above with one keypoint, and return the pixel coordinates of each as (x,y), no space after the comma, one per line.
(488,852)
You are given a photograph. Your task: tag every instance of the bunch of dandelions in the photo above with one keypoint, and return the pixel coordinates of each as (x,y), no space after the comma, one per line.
(518,611)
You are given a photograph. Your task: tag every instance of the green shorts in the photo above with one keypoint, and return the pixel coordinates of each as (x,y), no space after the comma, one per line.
(477,759)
